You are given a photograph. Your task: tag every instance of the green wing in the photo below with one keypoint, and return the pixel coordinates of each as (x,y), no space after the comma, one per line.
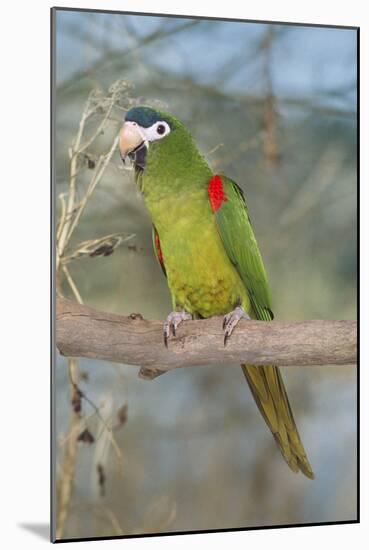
(236,231)
(265,382)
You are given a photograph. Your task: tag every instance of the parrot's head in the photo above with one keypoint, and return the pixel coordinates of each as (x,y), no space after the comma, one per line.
(152,137)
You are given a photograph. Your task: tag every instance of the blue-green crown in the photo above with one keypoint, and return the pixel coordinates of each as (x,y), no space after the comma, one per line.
(145,116)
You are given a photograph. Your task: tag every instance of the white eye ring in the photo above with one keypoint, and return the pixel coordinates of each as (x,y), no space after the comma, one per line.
(157,131)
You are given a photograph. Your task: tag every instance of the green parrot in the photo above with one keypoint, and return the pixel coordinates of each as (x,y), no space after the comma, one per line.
(205,244)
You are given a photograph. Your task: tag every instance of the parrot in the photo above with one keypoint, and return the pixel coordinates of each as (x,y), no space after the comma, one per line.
(205,244)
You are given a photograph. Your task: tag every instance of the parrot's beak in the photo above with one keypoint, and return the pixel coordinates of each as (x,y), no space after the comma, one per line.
(130,138)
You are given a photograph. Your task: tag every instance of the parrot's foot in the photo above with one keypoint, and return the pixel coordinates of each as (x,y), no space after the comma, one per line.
(174,319)
(231,320)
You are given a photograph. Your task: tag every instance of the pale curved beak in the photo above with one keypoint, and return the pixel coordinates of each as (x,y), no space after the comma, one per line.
(130,138)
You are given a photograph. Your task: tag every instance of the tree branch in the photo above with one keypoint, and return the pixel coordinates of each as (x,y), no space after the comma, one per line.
(85,332)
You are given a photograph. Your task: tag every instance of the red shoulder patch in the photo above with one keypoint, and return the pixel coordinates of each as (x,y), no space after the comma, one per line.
(158,249)
(216,193)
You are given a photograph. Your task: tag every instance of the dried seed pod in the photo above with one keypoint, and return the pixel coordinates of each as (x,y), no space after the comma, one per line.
(86,436)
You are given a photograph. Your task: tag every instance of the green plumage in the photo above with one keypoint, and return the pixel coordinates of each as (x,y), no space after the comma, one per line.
(212,261)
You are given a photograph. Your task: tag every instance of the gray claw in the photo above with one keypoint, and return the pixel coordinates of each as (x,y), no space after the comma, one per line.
(174,319)
(231,320)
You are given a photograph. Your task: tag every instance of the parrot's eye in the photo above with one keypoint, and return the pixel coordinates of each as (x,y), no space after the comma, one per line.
(161,128)
(157,131)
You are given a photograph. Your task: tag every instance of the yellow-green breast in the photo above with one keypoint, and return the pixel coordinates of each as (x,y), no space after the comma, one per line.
(201,278)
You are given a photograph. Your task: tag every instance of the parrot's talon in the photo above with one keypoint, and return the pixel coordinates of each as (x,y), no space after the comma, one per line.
(231,320)
(174,319)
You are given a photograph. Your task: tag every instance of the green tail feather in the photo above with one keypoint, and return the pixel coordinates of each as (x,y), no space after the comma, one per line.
(268,389)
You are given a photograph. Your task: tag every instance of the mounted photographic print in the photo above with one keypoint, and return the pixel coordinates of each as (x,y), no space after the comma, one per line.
(204,182)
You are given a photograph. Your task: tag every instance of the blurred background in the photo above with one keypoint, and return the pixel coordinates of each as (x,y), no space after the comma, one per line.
(274,107)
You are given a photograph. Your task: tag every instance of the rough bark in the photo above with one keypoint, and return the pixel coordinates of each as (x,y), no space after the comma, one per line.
(85,332)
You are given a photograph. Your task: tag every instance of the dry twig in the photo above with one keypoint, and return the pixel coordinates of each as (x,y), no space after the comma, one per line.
(95,120)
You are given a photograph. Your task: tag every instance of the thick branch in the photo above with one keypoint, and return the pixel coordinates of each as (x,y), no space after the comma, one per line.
(84,332)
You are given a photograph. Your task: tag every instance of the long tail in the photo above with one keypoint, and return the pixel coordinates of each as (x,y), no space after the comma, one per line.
(269,392)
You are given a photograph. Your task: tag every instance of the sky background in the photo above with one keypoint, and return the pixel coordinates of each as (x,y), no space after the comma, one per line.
(305,60)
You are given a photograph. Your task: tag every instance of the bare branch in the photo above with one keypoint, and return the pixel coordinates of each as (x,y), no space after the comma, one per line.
(84,332)
(68,467)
